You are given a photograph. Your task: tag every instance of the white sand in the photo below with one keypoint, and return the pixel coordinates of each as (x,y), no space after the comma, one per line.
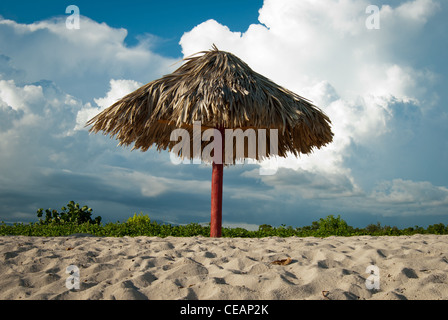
(410,267)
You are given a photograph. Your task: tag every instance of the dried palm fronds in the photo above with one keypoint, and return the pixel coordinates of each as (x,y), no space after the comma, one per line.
(220,90)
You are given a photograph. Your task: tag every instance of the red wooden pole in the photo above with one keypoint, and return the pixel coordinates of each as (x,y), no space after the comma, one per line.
(216,210)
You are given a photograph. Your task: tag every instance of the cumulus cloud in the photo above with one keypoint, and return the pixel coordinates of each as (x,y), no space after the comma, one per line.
(323,51)
(298,183)
(36,121)
(81,61)
(420,193)
(416,12)
(52,80)
(118,89)
(37,115)
(152,186)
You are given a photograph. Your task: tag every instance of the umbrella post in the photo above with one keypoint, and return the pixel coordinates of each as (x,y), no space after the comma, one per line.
(216,203)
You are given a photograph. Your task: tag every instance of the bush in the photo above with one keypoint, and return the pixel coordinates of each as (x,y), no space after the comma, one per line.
(331,226)
(437,229)
(72,214)
(375,228)
(139,219)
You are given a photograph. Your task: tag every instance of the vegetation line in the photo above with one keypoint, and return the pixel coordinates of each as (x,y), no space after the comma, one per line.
(76,219)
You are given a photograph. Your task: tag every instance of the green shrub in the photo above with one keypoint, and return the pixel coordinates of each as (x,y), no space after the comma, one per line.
(72,214)
(437,229)
(331,226)
(139,219)
(375,228)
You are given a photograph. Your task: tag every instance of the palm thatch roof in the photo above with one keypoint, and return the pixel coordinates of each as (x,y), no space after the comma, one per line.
(222,91)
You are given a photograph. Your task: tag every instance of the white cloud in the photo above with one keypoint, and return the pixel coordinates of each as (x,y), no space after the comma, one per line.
(417,12)
(19,98)
(420,193)
(80,61)
(118,89)
(291,184)
(39,119)
(36,123)
(153,186)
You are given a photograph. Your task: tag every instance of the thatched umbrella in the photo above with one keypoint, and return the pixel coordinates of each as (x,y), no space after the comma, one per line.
(222,92)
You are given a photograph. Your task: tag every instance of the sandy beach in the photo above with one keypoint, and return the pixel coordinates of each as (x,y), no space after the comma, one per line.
(334,268)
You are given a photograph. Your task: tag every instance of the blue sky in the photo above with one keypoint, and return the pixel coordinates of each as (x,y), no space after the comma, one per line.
(384,90)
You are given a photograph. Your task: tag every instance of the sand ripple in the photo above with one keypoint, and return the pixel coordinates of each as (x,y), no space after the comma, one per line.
(410,267)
